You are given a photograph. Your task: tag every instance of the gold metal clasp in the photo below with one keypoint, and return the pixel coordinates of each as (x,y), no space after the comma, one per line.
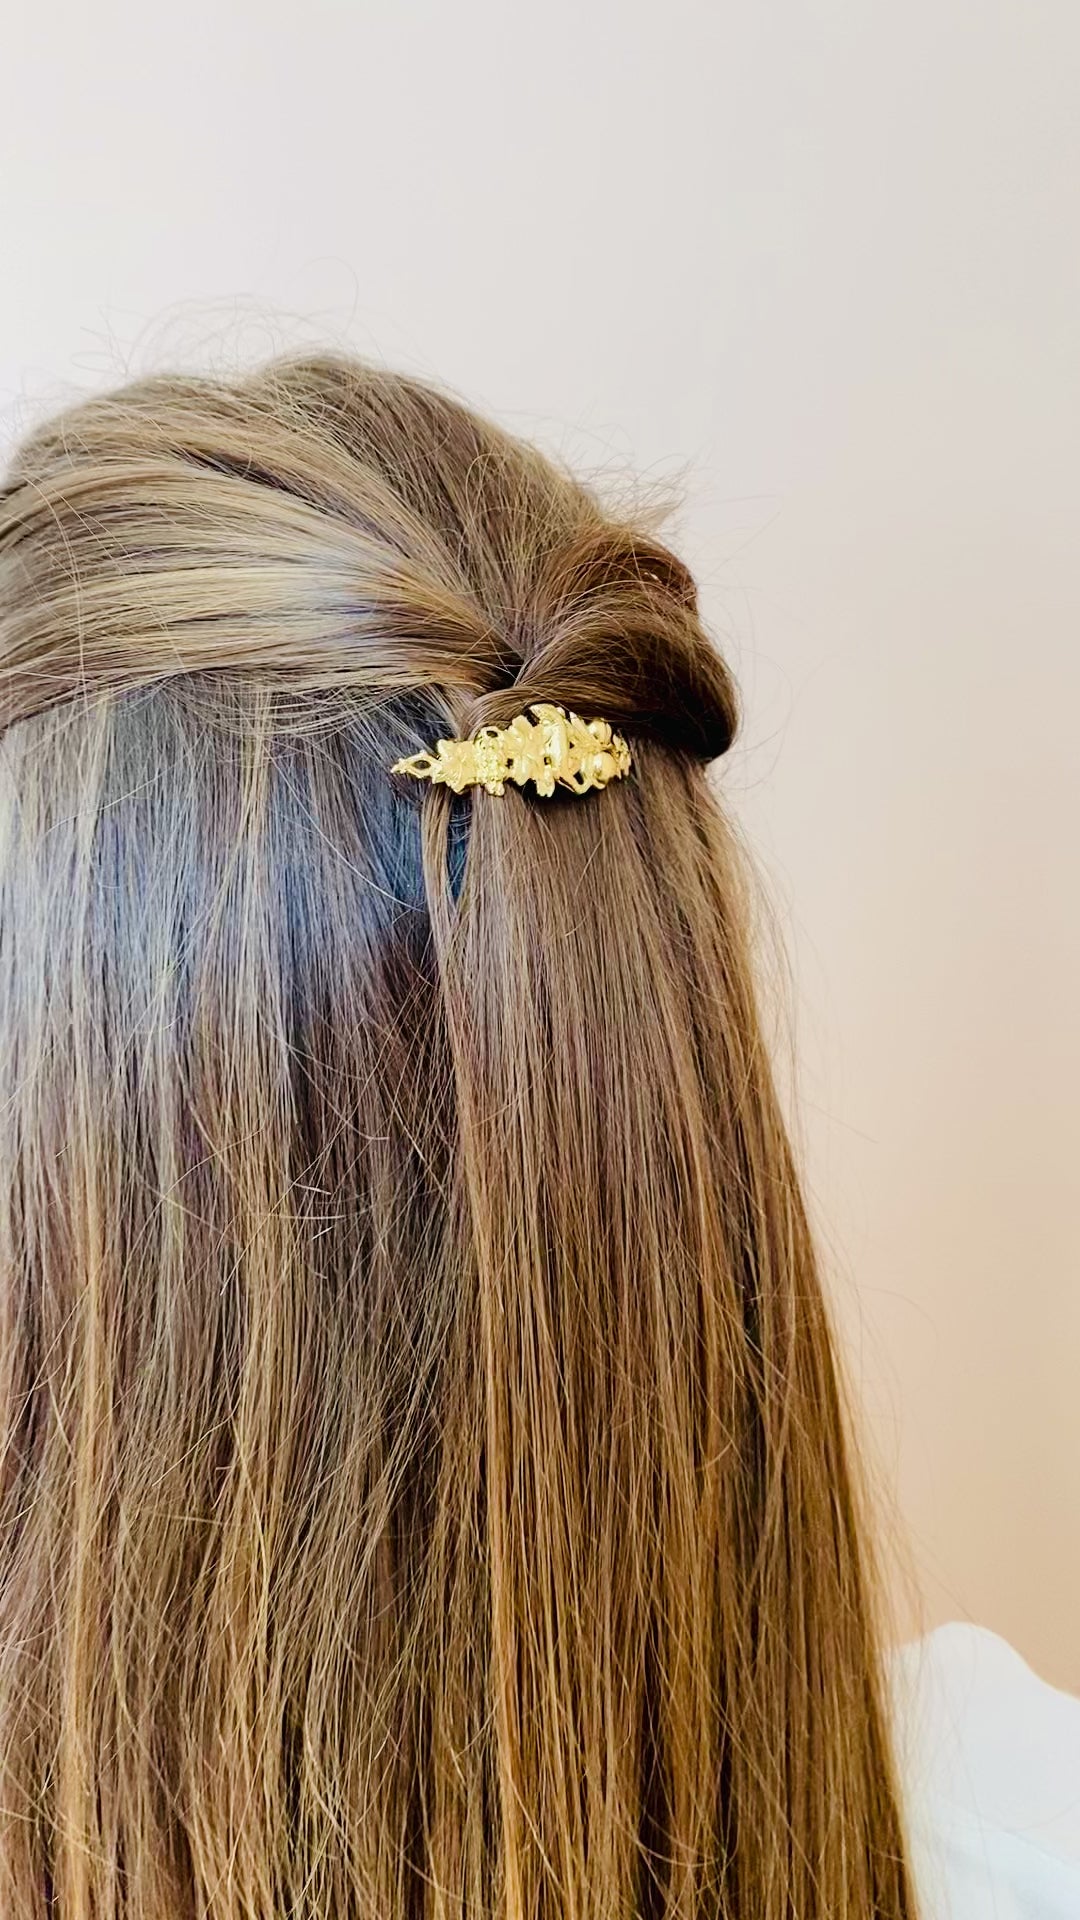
(557,749)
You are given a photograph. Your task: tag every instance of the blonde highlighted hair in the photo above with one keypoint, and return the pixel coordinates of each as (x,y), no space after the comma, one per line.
(425,1485)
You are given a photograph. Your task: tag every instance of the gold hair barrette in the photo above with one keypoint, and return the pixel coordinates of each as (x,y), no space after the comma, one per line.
(557,749)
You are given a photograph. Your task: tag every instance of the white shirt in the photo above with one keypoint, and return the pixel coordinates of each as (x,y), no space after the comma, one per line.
(989,1759)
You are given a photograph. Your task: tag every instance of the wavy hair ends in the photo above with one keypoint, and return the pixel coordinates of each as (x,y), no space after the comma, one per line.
(424,1487)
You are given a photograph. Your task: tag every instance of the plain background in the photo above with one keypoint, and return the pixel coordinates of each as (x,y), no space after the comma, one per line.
(819,264)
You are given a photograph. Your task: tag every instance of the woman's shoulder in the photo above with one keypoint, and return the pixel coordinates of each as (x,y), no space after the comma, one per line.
(989,1756)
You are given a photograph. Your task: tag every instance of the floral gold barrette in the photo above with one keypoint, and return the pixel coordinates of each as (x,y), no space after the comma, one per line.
(555,749)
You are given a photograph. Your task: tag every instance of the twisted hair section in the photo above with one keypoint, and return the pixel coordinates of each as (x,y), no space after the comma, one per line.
(425,1485)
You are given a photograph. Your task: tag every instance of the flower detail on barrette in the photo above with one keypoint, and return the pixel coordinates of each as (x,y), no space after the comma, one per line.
(556,749)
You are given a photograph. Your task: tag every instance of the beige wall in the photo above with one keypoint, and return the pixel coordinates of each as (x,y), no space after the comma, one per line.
(821,257)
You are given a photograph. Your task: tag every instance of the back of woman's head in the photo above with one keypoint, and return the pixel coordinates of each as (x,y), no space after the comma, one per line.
(424,1482)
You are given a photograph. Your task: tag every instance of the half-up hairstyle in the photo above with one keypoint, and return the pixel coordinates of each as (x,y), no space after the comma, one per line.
(424,1491)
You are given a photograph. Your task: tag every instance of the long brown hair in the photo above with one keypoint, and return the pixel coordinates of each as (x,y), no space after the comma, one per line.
(425,1489)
